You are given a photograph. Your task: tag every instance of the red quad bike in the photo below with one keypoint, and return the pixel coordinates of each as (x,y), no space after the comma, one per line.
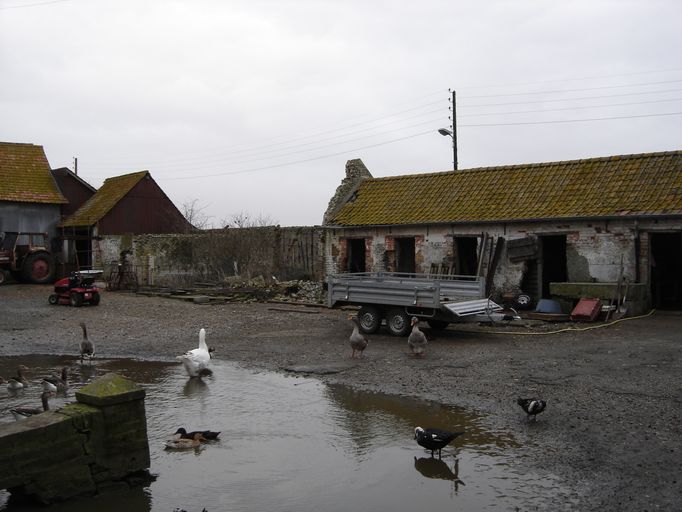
(76,291)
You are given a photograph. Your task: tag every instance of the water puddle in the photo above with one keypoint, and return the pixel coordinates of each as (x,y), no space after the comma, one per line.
(294,443)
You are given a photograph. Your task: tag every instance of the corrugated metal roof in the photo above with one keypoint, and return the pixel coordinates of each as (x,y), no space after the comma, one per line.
(25,175)
(644,184)
(108,195)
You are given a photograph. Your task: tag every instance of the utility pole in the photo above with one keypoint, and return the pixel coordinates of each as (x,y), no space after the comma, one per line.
(454,130)
(75,165)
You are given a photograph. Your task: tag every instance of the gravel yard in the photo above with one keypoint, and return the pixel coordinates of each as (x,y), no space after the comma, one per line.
(611,430)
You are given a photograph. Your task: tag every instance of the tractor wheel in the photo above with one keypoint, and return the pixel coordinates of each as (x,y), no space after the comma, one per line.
(95,299)
(398,322)
(53,299)
(38,268)
(370,319)
(76,300)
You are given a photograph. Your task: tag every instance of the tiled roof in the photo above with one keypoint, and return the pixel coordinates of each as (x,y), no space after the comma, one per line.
(25,175)
(108,195)
(644,184)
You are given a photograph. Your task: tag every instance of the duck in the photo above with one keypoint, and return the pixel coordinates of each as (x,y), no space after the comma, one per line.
(208,435)
(87,347)
(417,339)
(357,341)
(21,413)
(532,406)
(196,360)
(180,443)
(434,438)
(57,384)
(18,382)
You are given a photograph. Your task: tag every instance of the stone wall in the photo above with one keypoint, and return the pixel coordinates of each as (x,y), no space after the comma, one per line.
(92,446)
(214,256)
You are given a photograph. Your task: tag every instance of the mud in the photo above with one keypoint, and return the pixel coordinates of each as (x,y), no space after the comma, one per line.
(611,431)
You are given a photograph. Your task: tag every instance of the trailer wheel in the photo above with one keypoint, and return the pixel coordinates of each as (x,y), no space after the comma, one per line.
(370,319)
(437,324)
(53,299)
(398,322)
(76,300)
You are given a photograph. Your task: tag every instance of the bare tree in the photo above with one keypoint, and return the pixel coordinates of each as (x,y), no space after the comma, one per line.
(245,220)
(193,211)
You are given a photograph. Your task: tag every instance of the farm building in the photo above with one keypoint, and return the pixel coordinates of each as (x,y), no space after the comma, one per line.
(76,190)
(561,230)
(130,204)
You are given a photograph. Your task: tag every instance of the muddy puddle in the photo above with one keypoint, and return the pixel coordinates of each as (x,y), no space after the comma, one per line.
(294,443)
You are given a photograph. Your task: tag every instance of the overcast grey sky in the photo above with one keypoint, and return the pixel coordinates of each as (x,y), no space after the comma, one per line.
(255,106)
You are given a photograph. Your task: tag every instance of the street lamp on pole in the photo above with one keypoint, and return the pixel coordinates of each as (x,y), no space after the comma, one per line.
(452,133)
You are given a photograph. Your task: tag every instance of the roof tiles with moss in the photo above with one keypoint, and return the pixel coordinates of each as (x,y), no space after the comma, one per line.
(644,184)
(25,175)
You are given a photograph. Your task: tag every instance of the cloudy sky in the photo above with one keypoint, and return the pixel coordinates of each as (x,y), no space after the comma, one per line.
(255,106)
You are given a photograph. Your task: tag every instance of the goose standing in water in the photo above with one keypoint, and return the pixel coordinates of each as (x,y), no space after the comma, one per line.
(434,438)
(21,413)
(196,360)
(357,341)
(417,339)
(87,347)
(18,382)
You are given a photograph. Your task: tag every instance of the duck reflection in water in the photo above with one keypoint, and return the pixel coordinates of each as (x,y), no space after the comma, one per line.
(195,386)
(431,467)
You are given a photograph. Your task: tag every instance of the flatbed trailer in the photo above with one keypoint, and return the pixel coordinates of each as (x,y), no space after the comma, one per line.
(396,297)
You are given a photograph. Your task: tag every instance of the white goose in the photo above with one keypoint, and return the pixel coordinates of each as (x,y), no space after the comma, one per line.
(196,361)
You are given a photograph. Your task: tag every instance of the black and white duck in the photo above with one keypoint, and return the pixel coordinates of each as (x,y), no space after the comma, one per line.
(417,339)
(208,435)
(21,413)
(57,384)
(87,347)
(196,361)
(357,341)
(532,406)
(434,438)
(20,381)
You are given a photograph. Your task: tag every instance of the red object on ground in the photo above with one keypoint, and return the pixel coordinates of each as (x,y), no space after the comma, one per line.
(75,290)
(586,310)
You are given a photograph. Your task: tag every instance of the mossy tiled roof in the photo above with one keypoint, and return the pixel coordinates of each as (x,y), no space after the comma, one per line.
(25,175)
(101,203)
(643,184)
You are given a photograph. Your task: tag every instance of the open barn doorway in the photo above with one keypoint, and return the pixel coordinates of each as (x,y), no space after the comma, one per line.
(554,269)
(405,255)
(356,255)
(666,274)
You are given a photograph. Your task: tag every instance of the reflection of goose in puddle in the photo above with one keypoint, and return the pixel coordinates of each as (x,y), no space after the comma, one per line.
(195,386)
(87,373)
(438,468)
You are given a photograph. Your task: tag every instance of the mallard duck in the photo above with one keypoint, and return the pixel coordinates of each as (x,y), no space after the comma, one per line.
(56,384)
(196,360)
(532,406)
(87,347)
(18,382)
(357,341)
(434,438)
(180,443)
(208,435)
(417,339)
(21,413)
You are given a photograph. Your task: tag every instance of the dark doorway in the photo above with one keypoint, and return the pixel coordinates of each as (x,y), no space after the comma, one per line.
(356,255)
(666,276)
(466,255)
(404,249)
(554,270)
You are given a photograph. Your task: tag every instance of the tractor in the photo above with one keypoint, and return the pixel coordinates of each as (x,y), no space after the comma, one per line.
(26,255)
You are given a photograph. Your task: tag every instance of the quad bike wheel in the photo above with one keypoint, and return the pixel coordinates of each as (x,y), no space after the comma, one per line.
(76,300)
(53,299)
